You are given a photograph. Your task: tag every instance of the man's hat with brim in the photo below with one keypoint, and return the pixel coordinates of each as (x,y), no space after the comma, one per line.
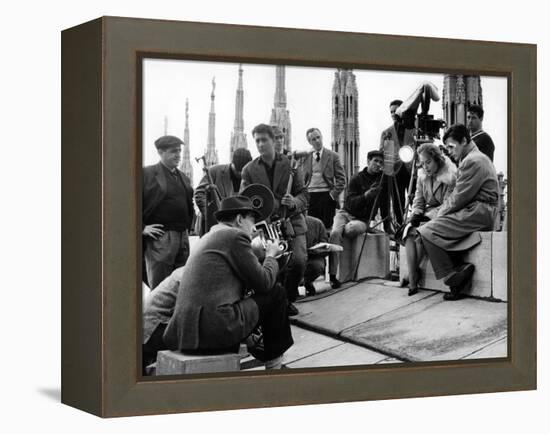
(166,142)
(233,205)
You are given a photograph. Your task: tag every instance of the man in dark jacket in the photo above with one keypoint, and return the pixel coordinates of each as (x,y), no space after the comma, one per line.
(213,313)
(273,170)
(226,180)
(361,204)
(474,122)
(167,212)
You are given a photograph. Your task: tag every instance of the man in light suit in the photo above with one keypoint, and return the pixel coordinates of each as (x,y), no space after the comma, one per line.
(226,179)
(324,178)
(167,212)
(273,170)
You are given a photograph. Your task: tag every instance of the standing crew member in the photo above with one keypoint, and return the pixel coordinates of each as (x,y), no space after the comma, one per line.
(167,212)
(324,177)
(273,170)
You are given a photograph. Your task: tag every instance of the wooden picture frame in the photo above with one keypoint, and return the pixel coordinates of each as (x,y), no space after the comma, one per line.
(101,223)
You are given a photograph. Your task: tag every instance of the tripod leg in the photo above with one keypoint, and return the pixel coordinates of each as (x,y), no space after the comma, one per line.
(399,218)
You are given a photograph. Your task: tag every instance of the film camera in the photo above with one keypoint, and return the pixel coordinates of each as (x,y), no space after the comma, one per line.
(428,127)
(270,228)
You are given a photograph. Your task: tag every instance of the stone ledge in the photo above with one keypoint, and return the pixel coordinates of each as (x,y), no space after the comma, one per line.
(367,255)
(490,275)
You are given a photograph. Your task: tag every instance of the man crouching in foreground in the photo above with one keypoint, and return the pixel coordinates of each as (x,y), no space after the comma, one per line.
(212,314)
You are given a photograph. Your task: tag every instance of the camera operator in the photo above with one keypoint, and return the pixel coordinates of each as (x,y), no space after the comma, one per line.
(401,132)
(273,170)
(212,314)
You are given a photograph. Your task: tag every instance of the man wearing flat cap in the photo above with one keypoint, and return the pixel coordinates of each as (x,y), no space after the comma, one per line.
(167,212)
(213,312)
(360,206)
(226,180)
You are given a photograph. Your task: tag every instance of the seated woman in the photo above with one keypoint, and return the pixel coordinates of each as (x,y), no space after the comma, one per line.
(436,181)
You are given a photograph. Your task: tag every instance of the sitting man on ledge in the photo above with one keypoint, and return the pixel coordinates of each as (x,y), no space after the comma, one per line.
(360,206)
(471,207)
(212,313)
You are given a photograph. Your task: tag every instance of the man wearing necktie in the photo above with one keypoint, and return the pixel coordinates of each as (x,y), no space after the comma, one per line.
(324,178)
(167,212)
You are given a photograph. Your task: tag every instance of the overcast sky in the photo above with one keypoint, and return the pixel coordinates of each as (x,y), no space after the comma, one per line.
(167,84)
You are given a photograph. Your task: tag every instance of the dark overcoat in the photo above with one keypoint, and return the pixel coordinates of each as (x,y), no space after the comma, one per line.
(211,311)
(255,173)
(155,187)
(332,171)
(471,207)
(221,178)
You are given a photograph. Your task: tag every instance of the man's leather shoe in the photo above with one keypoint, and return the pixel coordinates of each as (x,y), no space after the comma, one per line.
(310,289)
(459,275)
(452,296)
(457,292)
(292,310)
(334,282)
(413,291)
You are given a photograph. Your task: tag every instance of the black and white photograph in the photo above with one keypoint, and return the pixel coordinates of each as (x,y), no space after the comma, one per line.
(306,217)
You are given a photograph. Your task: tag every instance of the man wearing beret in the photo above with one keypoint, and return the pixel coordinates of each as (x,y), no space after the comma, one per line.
(226,181)
(360,206)
(167,212)
(213,312)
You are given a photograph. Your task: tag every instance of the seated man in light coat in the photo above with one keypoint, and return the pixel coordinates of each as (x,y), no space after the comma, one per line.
(213,313)
(471,207)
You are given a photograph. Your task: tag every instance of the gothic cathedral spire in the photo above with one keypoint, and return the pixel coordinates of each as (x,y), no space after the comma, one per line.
(211,154)
(185,165)
(238,136)
(459,93)
(280,116)
(345,120)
